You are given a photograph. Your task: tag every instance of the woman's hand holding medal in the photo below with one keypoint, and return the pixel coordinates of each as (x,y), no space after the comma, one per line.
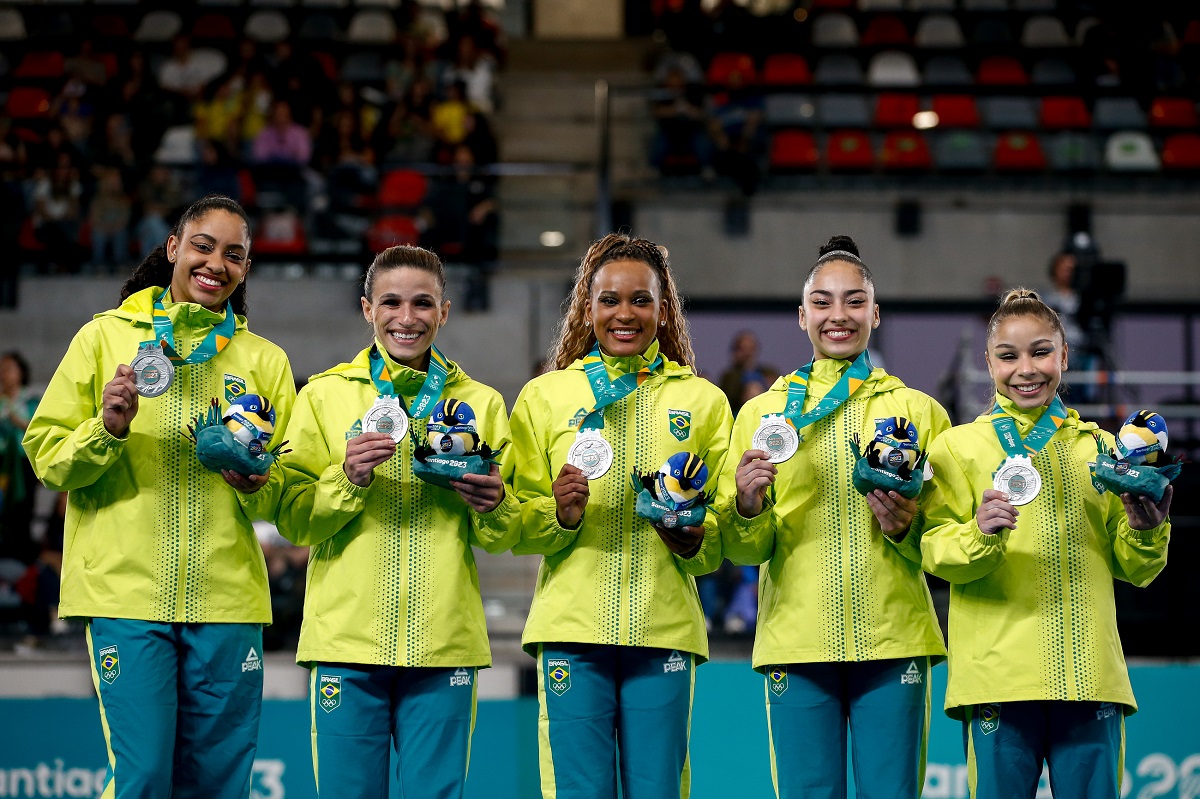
(894,512)
(1143,512)
(570,495)
(120,402)
(483,492)
(364,453)
(996,513)
(755,474)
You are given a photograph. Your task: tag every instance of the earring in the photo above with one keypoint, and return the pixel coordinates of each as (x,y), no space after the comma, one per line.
(662,322)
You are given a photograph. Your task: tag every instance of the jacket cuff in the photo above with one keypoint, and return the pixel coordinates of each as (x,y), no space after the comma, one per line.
(343,483)
(989,541)
(495,517)
(1153,535)
(550,515)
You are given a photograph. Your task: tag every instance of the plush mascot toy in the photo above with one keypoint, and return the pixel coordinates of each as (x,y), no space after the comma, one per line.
(238,438)
(1139,464)
(452,446)
(891,460)
(674,495)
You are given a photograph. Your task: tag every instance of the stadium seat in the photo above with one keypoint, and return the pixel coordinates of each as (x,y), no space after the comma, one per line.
(1082,27)
(946,70)
(960,151)
(992,32)
(936,31)
(793,151)
(885,30)
(905,151)
(1173,112)
(785,69)
(843,111)
(895,110)
(1116,113)
(327,62)
(319,26)
(1072,152)
(838,69)
(178,146)
(1018,152)
(1001,70)
(41,64)
(267,25)
(402,188)
(1064,113)
(793,110)
(370,26)
(280,233)
(893,68)
(849,151)
(932,5)
(110,26)
(158,26)
(51,26)
(1008,113)
(1052,72)
(1044,31)
(1130,151)
(726,68)
(389,231)
(955,110)
(213,26)
(12,25)
(985,5)
(363,67)
(834,30)
(1191,32)
(211,61)
(1181,152)
(27,102)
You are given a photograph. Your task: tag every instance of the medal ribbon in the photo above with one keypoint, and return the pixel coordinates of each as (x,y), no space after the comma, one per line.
(857,374)
(217,339)
(1042,432)
(431,389)
(608,391)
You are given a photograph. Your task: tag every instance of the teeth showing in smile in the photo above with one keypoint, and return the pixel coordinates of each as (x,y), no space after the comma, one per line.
(839,335)
(406,336)
(208,282)
(624,334)
(1028,388)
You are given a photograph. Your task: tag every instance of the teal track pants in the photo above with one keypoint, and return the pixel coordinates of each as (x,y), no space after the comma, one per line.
(362,714)
(883,703)
(180,706)
(614,713)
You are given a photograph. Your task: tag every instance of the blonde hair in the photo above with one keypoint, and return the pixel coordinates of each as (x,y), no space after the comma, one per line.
(575,335)
(1024,302)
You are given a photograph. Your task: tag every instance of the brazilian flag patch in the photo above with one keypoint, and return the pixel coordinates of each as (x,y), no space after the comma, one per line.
(330,692)
(559,674)
(235,388)
(989,718)
(777,679)
(110,664)
(680,423)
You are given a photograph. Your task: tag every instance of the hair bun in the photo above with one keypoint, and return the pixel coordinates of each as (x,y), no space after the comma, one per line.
(836,243)
(1019,295)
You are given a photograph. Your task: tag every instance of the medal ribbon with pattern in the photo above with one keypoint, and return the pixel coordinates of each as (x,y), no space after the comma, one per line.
(608,391)
(857,374)
(1039,436)
(217,339)
(431,389)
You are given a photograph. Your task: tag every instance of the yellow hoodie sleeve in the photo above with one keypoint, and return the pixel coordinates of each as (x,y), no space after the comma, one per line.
(264,503)
(930,424)
(500,528)
(1138,555)
(528,472)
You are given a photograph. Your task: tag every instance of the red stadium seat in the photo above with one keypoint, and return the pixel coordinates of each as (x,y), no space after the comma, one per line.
(1001,70)
(1173,112)
(849,151)
(27,102)
(40,65)
(110,26)
(1181,152)
(27,239)
(403,188)
(786,69)
(280,233)
(327,62)
(885,31)
(1018,152)
(389,231)
(793,150)
(896,110)
(726,68)
(1065,113)
(905,151)
(956,110)
(213,26)
(1191,33)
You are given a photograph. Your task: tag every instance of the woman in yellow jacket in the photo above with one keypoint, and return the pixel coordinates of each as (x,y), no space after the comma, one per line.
(393,629)
(846,627)
(616,623)
(1030,547)
(160,556)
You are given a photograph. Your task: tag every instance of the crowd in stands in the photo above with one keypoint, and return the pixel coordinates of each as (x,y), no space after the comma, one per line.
(1070,87)
(300,114)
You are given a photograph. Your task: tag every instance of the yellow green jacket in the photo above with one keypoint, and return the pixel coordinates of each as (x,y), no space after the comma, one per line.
(833,587)
(391,574)
(1032,614)
(612,580)
(150,533)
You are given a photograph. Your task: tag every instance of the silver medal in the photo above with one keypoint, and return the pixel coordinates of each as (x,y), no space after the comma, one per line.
(776,437)
(591,454)
(387,417)
(1017,478)
(153,371)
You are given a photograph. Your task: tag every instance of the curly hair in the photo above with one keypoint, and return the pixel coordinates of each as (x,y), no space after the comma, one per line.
(156,270)
(575,336)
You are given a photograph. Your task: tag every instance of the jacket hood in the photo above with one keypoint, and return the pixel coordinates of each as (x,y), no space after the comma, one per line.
(409,381)
(878,382)
(138,309)
(1026,418)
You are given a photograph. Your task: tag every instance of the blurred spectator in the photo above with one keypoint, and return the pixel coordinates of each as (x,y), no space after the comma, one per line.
(18,484)
(217,170)
(183,77)
(729,597)
(475,22)
(140,98)
(450,120)
(45,155)
(114,145)
(736,126)
(347,161)
(219,112)
(161,197)
(403,135)
(57,213)
(681,144)
(477,71)
(283,141)
(745,378)
(465,226)
(481,139)
(1063,297)
(86,67)
(299,79)
(74,115)
(109,215)
(287,567)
